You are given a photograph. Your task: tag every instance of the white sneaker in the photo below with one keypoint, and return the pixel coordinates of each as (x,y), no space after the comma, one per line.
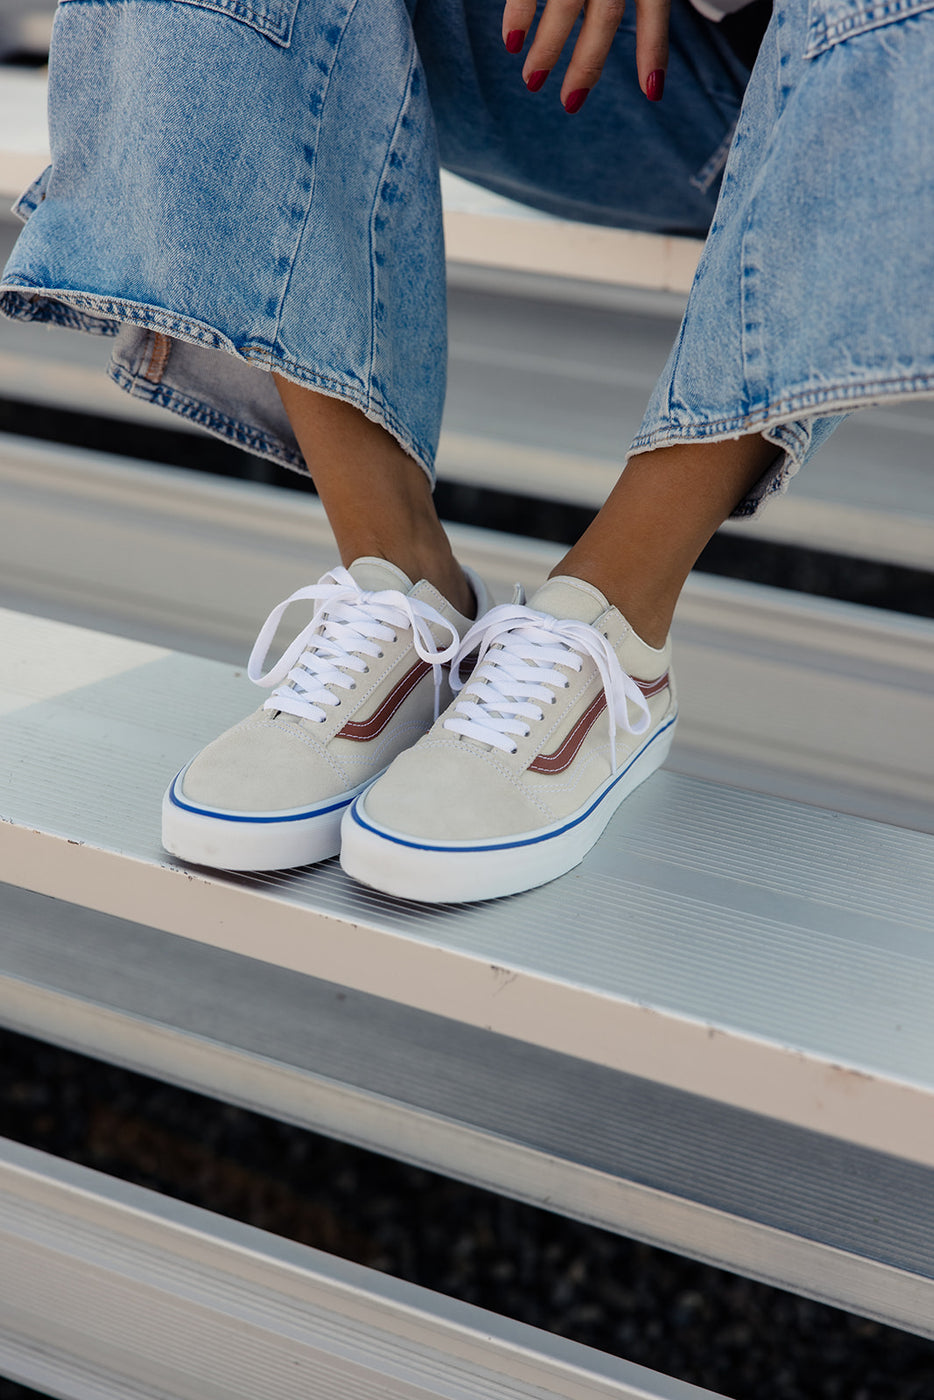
(359,684)
(518,778)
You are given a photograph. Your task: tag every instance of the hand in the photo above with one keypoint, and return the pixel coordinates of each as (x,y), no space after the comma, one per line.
(601,21)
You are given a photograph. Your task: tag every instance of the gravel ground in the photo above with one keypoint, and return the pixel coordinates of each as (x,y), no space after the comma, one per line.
(740,1339)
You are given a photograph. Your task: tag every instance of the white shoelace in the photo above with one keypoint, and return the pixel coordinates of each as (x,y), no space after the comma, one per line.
(523,656)
(348,621)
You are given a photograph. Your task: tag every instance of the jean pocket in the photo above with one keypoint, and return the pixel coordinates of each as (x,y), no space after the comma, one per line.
(272,18)
(832,21)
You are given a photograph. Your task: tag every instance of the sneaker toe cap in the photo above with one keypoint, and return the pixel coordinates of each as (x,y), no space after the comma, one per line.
(262,766)
(451,792)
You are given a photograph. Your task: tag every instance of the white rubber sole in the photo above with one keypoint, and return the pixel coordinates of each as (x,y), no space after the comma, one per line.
(459,872)
(227,840)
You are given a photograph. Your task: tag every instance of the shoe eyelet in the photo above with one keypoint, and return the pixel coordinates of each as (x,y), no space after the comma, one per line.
(379,656)
(514,749)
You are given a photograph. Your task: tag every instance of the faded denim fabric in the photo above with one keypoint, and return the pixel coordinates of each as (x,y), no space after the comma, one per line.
(815,291)
(245,185)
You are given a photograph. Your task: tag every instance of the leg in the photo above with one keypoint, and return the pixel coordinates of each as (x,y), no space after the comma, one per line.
(571,706)
(659,516)
(377,498)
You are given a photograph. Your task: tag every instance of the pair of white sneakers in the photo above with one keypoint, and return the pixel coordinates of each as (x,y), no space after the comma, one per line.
(431,786)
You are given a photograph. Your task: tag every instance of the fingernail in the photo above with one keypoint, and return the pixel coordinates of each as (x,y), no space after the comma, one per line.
(514,40)
(576,100)
(655,85)
(535,80)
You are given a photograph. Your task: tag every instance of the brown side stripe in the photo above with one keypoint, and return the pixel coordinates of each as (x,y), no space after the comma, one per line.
(564,756)
(362,729)
(650,688)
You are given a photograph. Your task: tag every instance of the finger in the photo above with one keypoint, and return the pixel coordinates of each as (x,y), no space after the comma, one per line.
(601,20)
(652,45)
(517,20)
(555,24)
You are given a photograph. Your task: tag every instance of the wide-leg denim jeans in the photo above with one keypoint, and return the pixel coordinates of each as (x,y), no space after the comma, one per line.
(239,186)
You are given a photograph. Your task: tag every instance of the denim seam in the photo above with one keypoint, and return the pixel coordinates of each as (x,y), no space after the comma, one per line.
(863,21)
(19,304)
(825,398)
(207,417)
(131,313)
(390,146)
(16,304)
(261,20)
(749,345)
(314,177)
(713,167)
(263,358)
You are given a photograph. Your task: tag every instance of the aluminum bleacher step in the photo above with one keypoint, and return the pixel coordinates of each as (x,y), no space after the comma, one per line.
(781,692)
(112,1292)
(715,1034)
(800,1209)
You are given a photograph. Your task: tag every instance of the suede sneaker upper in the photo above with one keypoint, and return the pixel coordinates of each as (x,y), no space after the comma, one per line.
(362,681)
(565,711)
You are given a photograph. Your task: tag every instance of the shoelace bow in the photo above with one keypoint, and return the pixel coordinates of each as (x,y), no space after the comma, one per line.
(520,651)
(348,625)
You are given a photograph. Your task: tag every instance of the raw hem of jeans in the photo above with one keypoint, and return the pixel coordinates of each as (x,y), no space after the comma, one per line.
(97,315)
(782,425)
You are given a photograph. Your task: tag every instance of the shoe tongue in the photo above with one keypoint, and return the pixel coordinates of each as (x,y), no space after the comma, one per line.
(373,575)
(566,597)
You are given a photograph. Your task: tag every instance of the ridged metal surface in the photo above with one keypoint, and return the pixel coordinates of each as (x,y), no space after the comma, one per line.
(711,933)
(745,654)
(796,1208)
(123,1284)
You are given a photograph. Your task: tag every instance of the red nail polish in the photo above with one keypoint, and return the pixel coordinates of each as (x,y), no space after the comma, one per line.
(576,100)
(514,40)
(535,80)
(655,85)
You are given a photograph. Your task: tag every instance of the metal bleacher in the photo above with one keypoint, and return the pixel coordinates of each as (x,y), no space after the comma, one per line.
(715,1035)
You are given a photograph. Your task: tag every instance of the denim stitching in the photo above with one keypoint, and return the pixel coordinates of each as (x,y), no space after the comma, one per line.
(264,358)
(18,305)
(272,23)
(406,93)
(314,174)
(709,171)
(132,313)
(823,36)
(207,417)
(253,438)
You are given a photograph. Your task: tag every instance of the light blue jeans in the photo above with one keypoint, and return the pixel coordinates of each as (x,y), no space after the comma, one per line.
(239,186)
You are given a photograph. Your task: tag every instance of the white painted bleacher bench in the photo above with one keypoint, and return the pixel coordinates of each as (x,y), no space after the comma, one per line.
(715,1036)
